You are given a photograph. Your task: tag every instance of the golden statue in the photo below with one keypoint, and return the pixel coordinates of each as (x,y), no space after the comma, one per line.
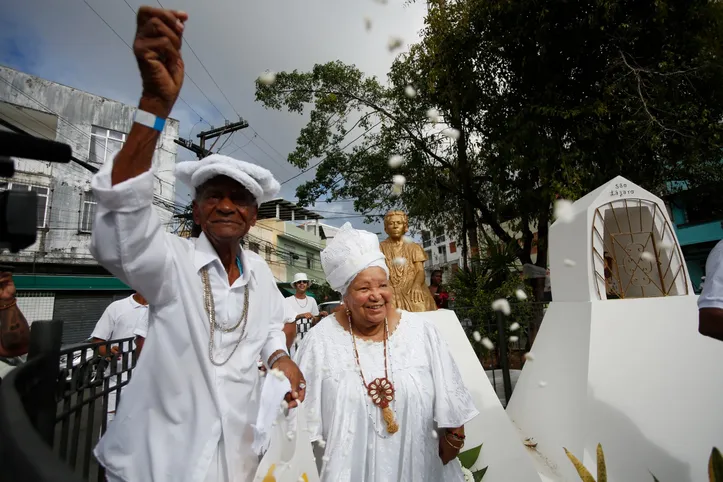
(406,266)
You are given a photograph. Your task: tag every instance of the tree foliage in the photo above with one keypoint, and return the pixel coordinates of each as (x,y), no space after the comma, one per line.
(551,99)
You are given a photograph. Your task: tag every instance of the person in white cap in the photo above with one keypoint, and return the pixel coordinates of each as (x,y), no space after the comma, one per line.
(300,307)
(119,320)
(214,308)
(391,399)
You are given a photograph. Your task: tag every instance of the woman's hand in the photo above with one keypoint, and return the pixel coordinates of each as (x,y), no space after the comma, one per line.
(449,446)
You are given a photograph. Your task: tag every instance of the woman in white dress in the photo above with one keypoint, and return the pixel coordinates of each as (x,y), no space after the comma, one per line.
(391,401)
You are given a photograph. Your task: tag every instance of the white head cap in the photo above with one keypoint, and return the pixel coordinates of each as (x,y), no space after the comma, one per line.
(350,252)
(259,181)
(299,277)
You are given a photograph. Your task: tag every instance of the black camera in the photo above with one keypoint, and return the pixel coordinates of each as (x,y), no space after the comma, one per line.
(18,225)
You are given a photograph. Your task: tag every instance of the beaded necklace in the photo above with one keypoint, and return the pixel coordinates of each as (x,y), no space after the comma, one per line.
(380,390)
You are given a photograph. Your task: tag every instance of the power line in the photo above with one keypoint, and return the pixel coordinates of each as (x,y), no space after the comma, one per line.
(185,40)
(70,124)
(190,47)
(325,157)
(131,49)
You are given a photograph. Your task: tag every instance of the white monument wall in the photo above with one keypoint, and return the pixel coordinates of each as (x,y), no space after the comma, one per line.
(502,449)
(632,374)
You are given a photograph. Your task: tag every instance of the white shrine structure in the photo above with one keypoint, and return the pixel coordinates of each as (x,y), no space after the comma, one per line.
(618,359)
(502,452)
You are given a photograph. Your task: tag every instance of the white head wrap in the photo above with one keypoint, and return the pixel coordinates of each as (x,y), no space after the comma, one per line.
(348,254)
(259,181)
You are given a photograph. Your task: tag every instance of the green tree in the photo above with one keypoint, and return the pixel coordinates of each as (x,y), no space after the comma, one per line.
(549,99)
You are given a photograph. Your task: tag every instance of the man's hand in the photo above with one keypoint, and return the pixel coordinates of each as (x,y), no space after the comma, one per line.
(7,288)
(14,328)
(305,316)
(323,314)
(296,378)
(157,47)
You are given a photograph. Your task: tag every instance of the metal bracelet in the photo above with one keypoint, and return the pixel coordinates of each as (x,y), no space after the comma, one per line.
(456,435)
(454,446)
(277,357)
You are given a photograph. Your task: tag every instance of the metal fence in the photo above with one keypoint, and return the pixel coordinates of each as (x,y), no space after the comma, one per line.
(52,415)
(302,328)
(512,336)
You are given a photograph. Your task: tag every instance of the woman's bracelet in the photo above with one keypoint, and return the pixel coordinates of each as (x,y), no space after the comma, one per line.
(456,435)
(277,357)
(9,305)
(457,448)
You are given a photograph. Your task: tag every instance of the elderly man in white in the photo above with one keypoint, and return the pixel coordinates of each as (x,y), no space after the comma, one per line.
(214,308)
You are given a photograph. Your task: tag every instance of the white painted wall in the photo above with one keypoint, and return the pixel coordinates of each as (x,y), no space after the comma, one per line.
(633,375)
(555,415)
(502,449)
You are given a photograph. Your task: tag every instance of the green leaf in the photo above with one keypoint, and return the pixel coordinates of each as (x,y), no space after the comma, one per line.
(479,474)
(602,473)
(469,457)
(715,466)
(584,474)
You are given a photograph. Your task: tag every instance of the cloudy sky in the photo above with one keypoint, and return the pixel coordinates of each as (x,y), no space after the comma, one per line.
(65,41)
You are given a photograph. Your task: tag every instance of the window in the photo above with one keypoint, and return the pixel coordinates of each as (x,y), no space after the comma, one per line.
(268,252)
(87,212)
(104,144)
(426,239)
(452,247)
(42,193)
(309,260)
(254,247)
(292,257)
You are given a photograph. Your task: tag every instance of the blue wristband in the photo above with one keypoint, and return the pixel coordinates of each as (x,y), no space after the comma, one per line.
(149,120)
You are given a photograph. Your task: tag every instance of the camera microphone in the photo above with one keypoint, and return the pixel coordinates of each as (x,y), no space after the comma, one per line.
(29,147)
(18,208)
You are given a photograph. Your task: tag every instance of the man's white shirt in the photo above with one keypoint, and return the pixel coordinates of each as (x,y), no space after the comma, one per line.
(120,320)
(181,413)
(712,295)
(295,306)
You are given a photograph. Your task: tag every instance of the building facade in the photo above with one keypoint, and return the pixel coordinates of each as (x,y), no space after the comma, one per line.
(95,128)
(697,217)
(443,253)
(57,278)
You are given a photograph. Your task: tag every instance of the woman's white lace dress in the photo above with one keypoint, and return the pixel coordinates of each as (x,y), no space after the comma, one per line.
(430,395)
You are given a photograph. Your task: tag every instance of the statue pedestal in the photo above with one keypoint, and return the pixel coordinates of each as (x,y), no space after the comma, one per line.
(633,375)
(502,449)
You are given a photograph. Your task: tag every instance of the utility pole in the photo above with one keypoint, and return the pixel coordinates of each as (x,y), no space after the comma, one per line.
(215,133)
